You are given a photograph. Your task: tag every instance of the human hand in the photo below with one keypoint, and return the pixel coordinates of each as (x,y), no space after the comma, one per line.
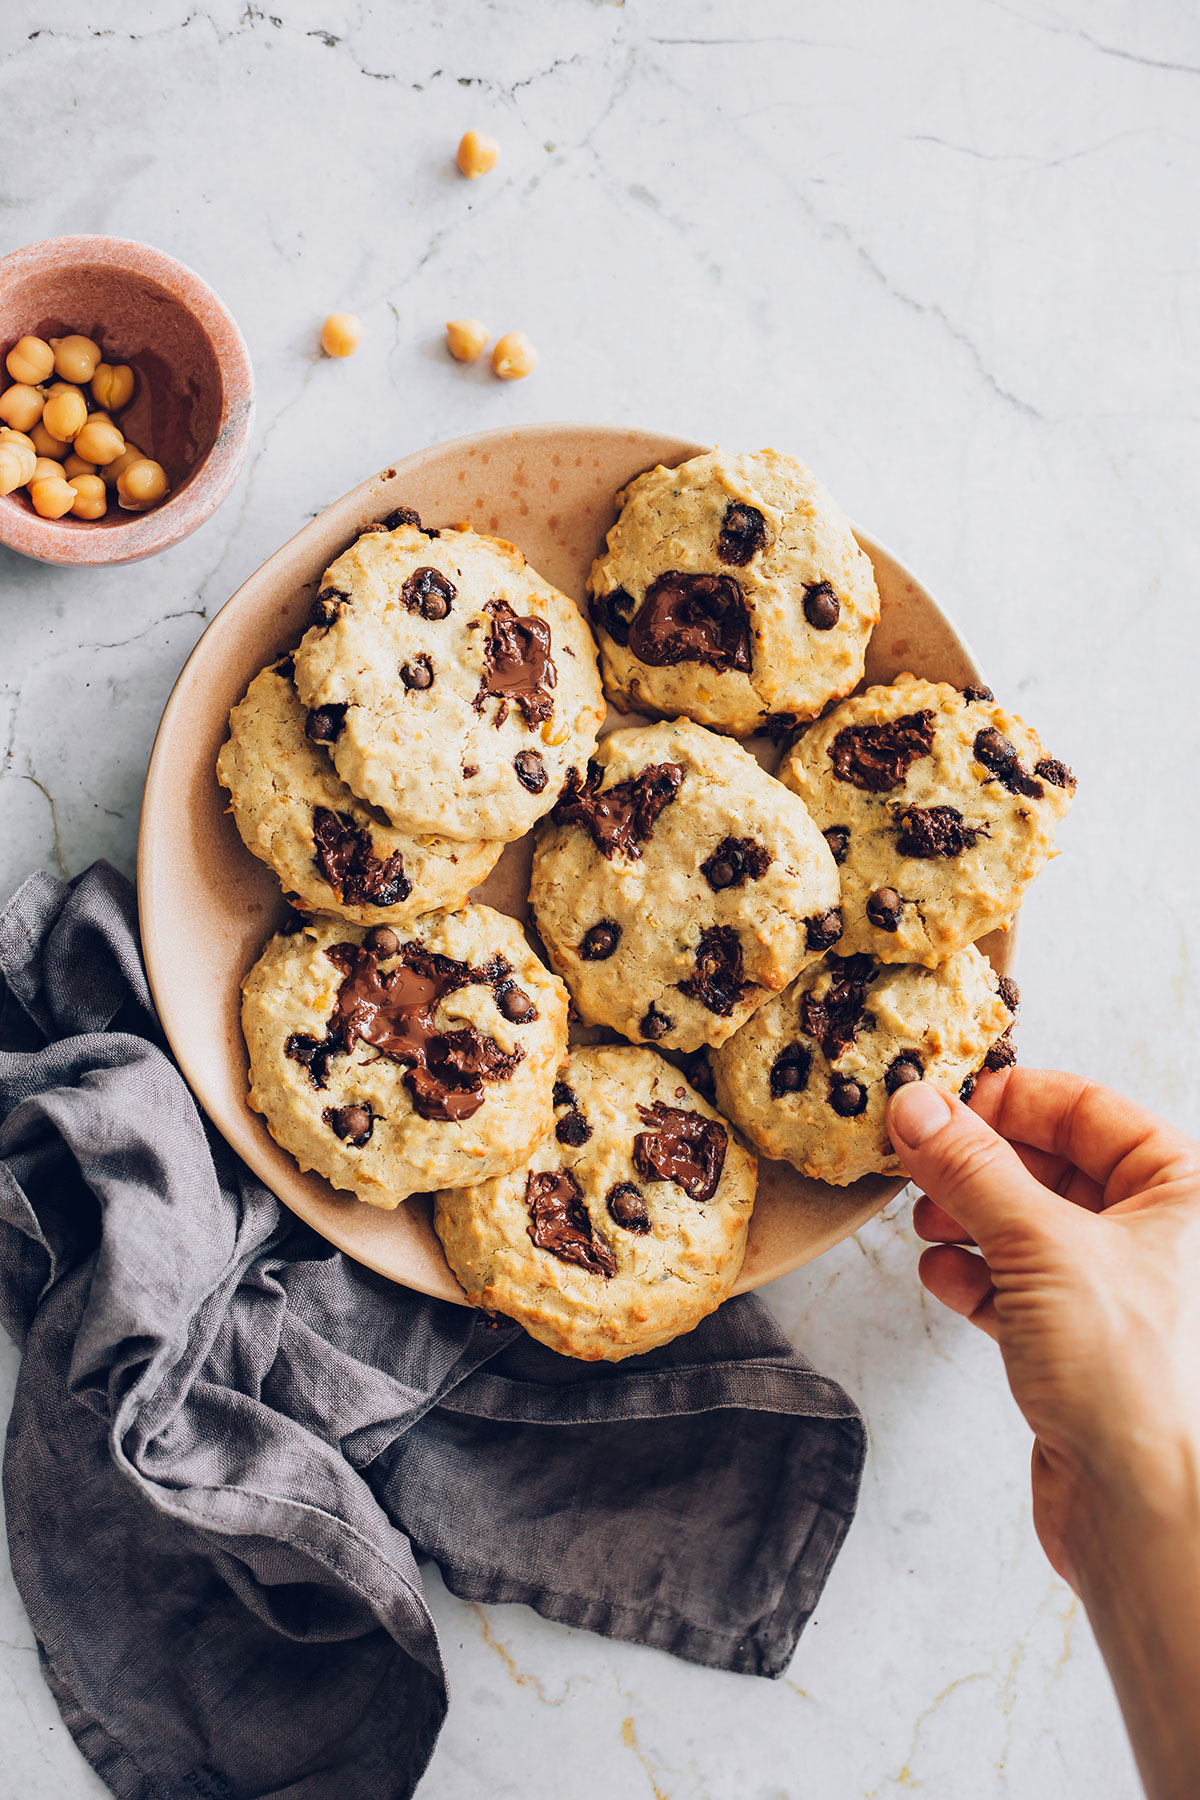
(1066,1224)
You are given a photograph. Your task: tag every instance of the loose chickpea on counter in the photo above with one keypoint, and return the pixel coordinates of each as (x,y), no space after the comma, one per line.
(465,338)
(513,357)
(477,154)
(341,334)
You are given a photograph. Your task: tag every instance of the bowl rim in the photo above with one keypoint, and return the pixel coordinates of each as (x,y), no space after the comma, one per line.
(69,541)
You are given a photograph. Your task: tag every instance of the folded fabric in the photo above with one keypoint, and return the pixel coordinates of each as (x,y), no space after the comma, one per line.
(230,1444)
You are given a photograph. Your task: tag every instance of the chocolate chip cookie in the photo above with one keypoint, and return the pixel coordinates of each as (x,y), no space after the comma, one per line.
(626,1226)
(732,590)
(393,1061)
(332,853)
(940,808)
(676,885)
(455,687)
(809,1077)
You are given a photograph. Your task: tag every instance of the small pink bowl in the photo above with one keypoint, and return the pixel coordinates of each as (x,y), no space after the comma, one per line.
(193,406)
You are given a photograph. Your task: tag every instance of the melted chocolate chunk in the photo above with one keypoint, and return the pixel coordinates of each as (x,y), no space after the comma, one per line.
(718,983)
(531,770)
(838,839)
(428,592)
(563,1095)
(328,607)
(698,1070)
(655,1024)
(778,726)
(743,534)
(611,613)
(418,673)
(1056,773)
(517,665)
(1010,993)
(1002,1054)
(834,1020)
(353,1123)
(680,1146)
(404,515)
(559,1223)
(286,668)
(345,856)
(626,1205)
(967,1088)
(600,942)
(324,724)
(692,618)
(877,758)
(623,816)
(905,1068)
(734,862)
(847,1098)
(999,755)
(821,607)
(936,831)
(884,909)
(823,929)
(790,1071)
(573,1129)
(977,692)
(394,1013)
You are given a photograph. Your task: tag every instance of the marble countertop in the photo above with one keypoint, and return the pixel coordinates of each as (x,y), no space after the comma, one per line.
(943,253)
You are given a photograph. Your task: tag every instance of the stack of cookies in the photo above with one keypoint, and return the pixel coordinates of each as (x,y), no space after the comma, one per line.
(758,956)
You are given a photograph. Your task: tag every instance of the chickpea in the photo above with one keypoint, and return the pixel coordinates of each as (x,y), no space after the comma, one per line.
(22,448)
(45,445)
(52,498)
(341,334)
(66,387)
(75,358)
(64,415)
(99,441)
(12,469)
(112,385)
(91,497)
(45,469)
(476,154)
(514,356)
(465,338)
(21,406)
(142,485)
(75,465)
(113,471)
(31,359)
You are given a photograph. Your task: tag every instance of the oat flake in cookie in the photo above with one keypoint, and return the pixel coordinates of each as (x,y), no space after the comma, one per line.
(808,1079)
(732,590)
(464,686)
(329,850)
(394,1061)
(676,885)
(940,807)
(619,1234)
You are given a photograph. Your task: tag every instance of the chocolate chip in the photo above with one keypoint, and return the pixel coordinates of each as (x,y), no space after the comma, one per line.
(778,726)
(906,1067)
(823,929)
(563,1095)
(930,831)
(516,1005)
(838,839)
(884,909)
(717,983)
(600,941)
(790,1071)
(611,612)
(698,1070)
(573,1129)
(428,592)
(655,1024)
(1056,773)
(1010,993)
(967,1088)
(877,758)
(352,1122)
(418,673)
(531,770)
(382,940)
(976,692)
(743,533)
(285,668)
(734,862)
(324,723)
(692,618)
(404,515)
(821,607)
(835,1019)
(999,756)
(1002,1054)
(626,1205)
(328,606)
(847,1098)
(470,770)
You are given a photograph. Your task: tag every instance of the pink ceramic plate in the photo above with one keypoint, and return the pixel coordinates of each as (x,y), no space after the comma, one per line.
(207,905)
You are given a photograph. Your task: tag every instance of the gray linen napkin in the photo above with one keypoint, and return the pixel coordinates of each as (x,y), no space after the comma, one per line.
(230,1444)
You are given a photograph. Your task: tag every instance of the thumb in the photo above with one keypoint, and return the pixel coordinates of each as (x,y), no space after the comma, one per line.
(963,1165)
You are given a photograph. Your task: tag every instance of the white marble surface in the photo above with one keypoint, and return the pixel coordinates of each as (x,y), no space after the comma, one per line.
(947,254)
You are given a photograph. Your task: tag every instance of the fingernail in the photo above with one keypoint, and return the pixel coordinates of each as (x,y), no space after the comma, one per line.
(916,1112)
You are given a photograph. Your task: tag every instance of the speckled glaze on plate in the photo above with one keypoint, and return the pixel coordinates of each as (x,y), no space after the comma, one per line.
(207,906)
